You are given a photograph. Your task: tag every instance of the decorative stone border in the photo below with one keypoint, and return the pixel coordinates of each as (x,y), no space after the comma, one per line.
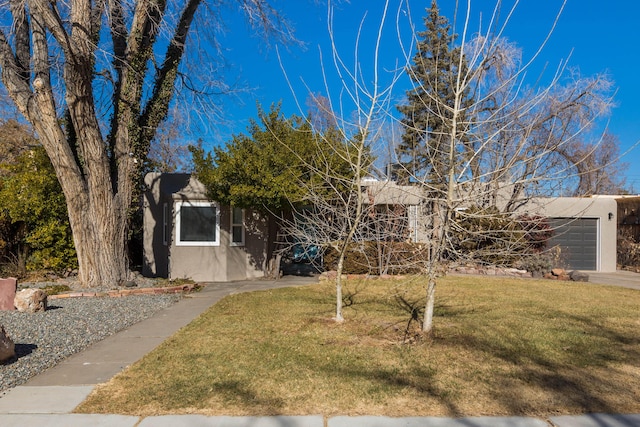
(127,292)
(554,274)
(481,271)
(491,271)
(332,274)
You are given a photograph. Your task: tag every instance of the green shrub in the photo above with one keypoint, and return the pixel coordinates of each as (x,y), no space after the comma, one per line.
(33,204)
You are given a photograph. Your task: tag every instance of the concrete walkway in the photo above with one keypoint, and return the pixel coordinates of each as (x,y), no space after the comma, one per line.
(49,398)
(625,279)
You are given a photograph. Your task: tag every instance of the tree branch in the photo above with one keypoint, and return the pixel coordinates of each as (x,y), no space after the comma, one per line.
(156,109)
(51,20)
(21,31)
(12,76)
(131,62)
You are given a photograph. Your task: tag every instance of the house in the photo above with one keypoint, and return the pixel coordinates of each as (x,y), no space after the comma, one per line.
(384,198)
(186,235)
(585,228)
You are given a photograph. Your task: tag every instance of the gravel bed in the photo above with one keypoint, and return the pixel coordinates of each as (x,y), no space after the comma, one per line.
(68,326)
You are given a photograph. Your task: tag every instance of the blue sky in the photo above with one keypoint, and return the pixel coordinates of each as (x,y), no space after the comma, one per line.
(595,36)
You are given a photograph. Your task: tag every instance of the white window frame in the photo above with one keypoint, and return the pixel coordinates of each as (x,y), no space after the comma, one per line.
(178,210)
(238,224)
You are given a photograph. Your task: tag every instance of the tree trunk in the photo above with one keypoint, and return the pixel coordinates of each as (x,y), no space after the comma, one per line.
(441,217)
(339,318)
(427,323)
(99,234)
(97,217)
(22,250)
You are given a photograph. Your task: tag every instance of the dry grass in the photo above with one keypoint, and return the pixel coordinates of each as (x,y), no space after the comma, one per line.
(501,347)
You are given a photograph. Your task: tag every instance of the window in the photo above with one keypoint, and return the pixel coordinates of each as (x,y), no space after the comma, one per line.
(237,227)
(197,224)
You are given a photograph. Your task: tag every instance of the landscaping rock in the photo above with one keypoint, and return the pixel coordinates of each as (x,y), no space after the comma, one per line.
(8,293)
(7,347)
(331,275)
(560,274)
(579,276)
(489,271)
(537,274)
(31,300)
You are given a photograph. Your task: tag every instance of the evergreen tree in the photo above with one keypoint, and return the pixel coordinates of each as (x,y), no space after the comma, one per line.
(276,164)
(427,117)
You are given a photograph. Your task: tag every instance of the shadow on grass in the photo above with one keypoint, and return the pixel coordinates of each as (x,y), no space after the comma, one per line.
(535,376)
(538,375)
(237,393)
(388,380)
(569,375)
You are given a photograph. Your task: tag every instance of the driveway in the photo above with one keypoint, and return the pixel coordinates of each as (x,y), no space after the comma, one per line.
(626,279)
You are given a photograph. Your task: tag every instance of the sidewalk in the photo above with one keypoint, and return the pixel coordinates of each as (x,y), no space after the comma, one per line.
(49,398)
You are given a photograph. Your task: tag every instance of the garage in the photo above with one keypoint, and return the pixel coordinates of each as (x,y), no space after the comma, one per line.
(578,241)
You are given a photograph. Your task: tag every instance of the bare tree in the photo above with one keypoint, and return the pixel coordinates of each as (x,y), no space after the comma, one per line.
(599,169)
(489,147)
(95,80)
(501,143)
(16,138)
(337,205)
(169,150)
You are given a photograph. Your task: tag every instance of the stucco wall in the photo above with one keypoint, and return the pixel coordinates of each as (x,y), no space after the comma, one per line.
(155,252)
(200,263)
(224,262)
(587,207)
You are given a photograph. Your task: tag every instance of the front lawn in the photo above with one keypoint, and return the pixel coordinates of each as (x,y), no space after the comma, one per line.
(501,346)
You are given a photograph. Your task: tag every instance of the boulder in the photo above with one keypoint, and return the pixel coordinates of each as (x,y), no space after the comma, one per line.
(8,293)
(558,272)
(31,300)
(7,347)
(579,276)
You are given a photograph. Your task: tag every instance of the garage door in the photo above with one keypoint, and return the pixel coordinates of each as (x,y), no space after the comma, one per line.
(578,240)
